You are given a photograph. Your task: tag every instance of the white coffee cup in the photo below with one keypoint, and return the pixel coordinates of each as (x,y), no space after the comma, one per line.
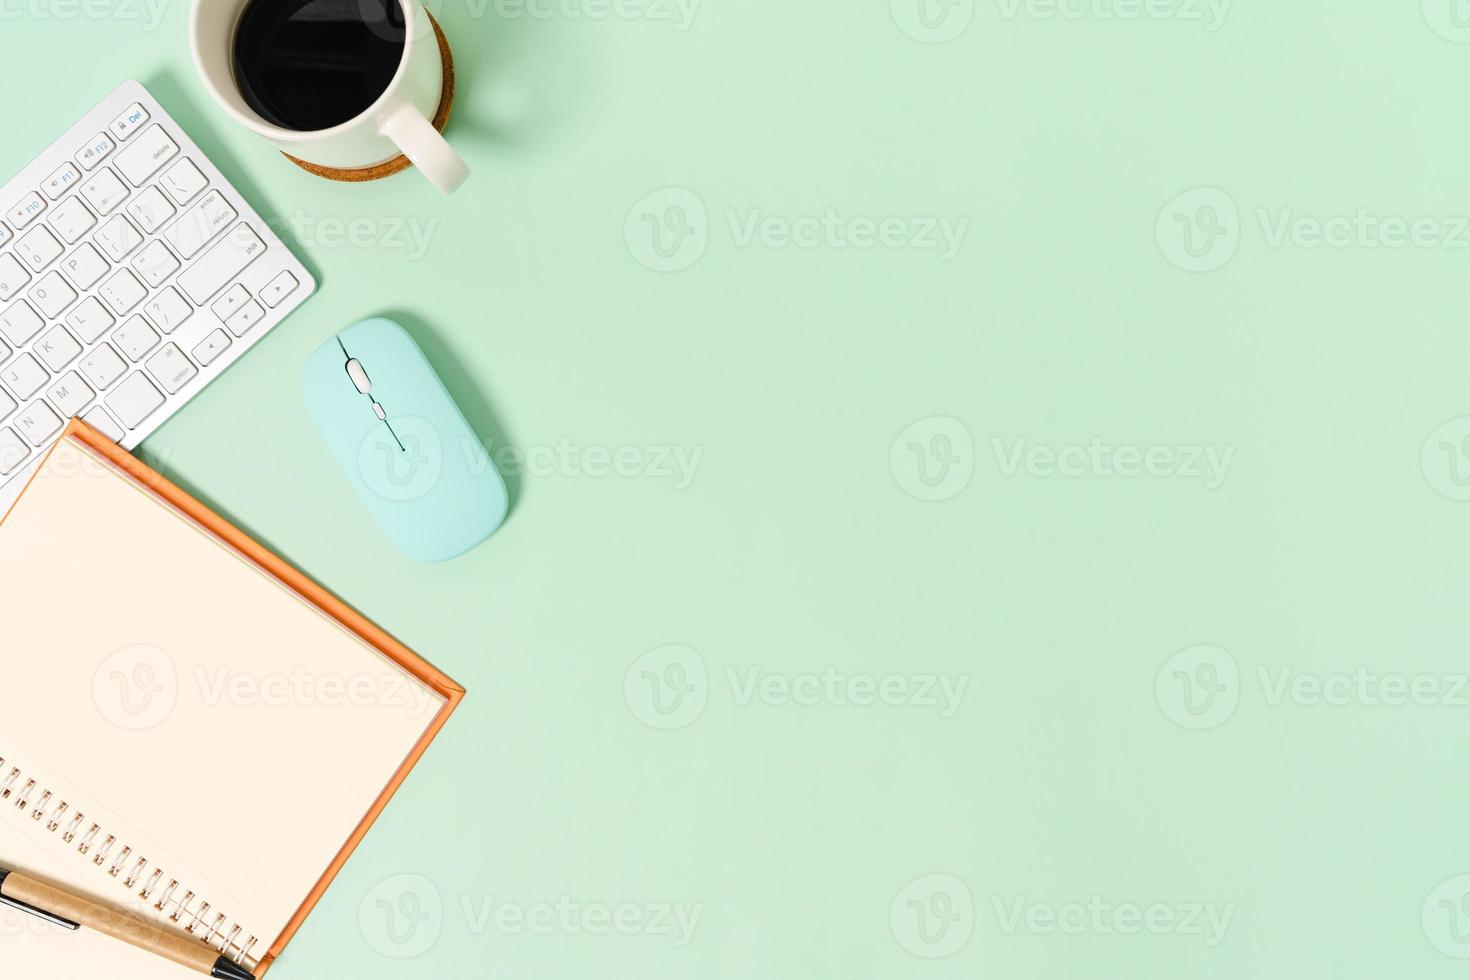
(398,122)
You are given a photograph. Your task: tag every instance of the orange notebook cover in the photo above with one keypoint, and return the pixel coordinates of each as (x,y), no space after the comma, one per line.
(156,660)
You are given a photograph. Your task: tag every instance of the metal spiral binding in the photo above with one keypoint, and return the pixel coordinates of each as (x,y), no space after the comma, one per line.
(215,930)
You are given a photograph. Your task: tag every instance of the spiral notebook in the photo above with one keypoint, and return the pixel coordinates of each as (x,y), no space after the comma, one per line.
(190,729)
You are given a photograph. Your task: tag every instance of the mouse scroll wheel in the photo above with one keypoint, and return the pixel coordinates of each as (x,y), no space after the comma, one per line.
(359,376)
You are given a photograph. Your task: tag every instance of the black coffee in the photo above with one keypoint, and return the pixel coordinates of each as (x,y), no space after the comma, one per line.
(312,64)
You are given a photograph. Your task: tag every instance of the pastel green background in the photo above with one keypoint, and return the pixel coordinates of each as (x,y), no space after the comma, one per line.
(1332,833)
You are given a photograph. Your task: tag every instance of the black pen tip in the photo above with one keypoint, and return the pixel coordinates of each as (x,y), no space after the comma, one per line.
(227,969)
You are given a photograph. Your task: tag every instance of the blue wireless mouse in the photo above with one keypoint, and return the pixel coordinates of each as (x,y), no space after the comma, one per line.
(403,443)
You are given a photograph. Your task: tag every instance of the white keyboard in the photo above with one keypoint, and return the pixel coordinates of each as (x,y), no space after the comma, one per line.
(131,275)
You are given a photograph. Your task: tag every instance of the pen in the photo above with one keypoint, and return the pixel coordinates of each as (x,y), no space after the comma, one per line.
(70,911)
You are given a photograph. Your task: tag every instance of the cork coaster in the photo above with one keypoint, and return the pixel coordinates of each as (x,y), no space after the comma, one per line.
(400,162)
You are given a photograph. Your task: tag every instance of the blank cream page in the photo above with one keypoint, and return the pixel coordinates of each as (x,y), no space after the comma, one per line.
(212,713)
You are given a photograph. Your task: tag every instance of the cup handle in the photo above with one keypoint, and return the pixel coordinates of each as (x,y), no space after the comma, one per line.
(424,145)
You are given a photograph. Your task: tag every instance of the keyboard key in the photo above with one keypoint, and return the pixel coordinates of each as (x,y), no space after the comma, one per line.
(39,248)
(198,225)
(134,400)
(221,264)
(234,298)
(98,419)
(37,423)
(52,295)
(183,180)
(278,289)
(24,211)
(57,348)
(135,338)
(103,366)
(61,180)
(151,210)
(212,346)
(13,452)
(129,122)
(105,191)
(72,220)
(155,263)
(171,368)
(24,376)
(244,318)
(90,320)
(19,323)
(168,309)
(118,237)
(70,395)
(122,292)
(111,245)
(142,158)
(91,154)
(13,276)
(84,266)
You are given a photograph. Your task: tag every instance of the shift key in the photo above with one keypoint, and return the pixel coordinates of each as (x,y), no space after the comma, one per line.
(221,264)
(197,226)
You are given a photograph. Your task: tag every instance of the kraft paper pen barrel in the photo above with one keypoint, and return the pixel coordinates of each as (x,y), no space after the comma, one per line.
(70,911)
